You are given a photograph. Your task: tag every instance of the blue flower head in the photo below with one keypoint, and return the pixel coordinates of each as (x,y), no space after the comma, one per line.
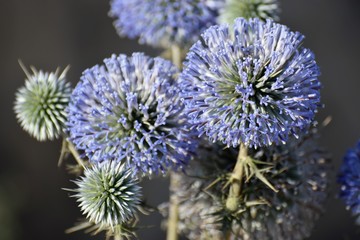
(349,179)
(251,83)
(129,110)
(161,23)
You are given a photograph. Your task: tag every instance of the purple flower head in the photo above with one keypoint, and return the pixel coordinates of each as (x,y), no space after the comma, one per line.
(161,23)
(129,110)
(251,82)
(349,179)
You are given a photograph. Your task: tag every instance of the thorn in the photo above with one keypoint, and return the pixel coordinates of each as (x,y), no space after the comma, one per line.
(27,74)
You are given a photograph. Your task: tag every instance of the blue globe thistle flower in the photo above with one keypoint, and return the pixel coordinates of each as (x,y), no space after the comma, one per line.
(40,104)
(161,23)
(251,83)
(299,172)
(349,179)
(130,111)
(108,194)
(262,9)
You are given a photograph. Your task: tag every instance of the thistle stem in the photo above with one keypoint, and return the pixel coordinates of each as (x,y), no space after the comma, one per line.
(236,180)
(118,237)
(173,210)
(174,201)
(75,153)
(64,150)
(176,55)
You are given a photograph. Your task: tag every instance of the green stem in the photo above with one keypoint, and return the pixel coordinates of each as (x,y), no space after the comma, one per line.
(232,201)
(64,150)
(75,153)
(118,237)
(174,201)
(176,55)
(173,210)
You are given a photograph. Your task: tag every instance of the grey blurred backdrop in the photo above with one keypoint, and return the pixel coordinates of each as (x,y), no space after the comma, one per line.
(51,33)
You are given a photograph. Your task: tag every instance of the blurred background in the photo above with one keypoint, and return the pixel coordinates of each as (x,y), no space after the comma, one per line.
(52,33)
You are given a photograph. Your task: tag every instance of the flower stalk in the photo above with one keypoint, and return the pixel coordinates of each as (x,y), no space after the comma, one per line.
(174,184)
(245,168)
(232,201)
(173,210)
(66,147)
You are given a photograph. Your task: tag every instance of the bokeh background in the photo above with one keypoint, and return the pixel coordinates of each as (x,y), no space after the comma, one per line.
(52,33)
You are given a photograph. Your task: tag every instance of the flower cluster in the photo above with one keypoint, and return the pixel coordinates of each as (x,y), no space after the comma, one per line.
(130,111)
(40,104)
(161,23)
(252,83)
(248,82)
(299,173)
(349,179)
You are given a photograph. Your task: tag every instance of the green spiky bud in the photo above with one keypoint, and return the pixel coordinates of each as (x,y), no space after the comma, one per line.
(108,194)
(40,104)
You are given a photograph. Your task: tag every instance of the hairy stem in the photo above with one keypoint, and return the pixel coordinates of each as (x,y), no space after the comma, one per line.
(236,180)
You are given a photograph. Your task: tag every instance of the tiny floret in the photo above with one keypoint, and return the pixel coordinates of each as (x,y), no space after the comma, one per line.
(349,178)
(252,83)
(161,23)
(108,194)
(129,110)
(262,9)
(40,104)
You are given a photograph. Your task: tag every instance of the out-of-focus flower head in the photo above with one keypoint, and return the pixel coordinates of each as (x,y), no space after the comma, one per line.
(40,104)
(299,173)
(252,83)
(262,9)
(349,179)
(129,110)
(162,23)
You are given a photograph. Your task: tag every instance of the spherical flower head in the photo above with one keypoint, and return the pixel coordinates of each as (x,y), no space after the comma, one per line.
(349,179)
(162,23)
(299,173)
(40,104)
(108,194)
(262,9)
(129,110)
(251,83)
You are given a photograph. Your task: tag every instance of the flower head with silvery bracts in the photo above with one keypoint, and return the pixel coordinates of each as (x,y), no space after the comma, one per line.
(262,9)
(40,104)
(108,194)
(349,179)
(162,23)
(251,83)
(299,173)
(130,111)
